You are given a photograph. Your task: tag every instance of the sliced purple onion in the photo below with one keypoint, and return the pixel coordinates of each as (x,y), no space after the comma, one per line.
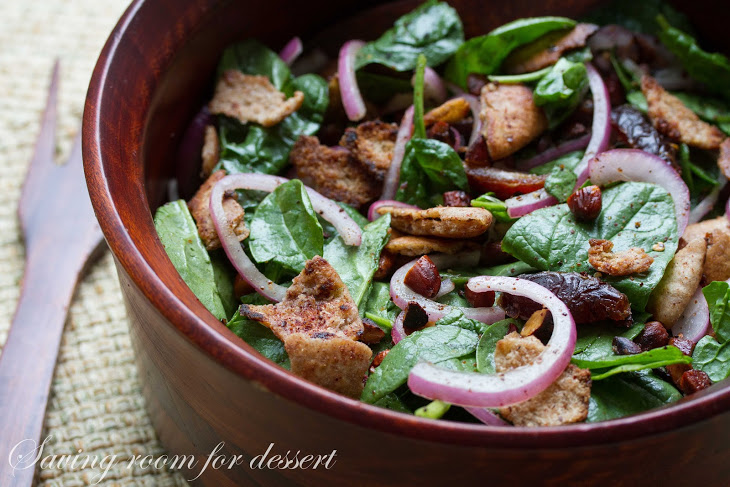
(330,211)
(402,295)
(291,51)
(398,333)
(518,206)
(706,205)
(486,416)
(476,120)
(553,153)
(433,86)
(601,127)
(352,100)
(695,321)
(447,285)
(637,165)
(512,386)
(392,178)
(373,210)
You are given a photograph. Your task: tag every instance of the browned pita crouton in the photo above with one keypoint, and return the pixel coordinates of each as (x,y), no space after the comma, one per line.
(701,229)
(199,207)
(672,118)
(442,221)
(451,111)
(319,324)
(211,150)
(252,98)
(681,278)
(510,118)
(723,160)
(564,402)
(411,246)
(547,50)
(372,144)
(717,260)
(625,263)
(333,172)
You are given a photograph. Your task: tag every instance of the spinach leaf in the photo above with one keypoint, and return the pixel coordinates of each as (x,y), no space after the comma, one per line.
(435,344)
(496,206)
(484,54)
(251,147)
(285,229)
(224,275)
(392,402)
(626,394)
(709,109)
(179,236)
(633,215)
(561,174)
(717,294)
(379,307)
(509,270)
(595,341)
(559,92)
(260,338)
(638,16)
(712,358)
(711,69)
(379,88)
(488,344)
(357,265)
(430,168)
(457,318)
(434,30)
(514,79)
(613,364)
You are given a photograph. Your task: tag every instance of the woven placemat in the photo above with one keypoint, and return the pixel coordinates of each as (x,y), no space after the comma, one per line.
(96,404)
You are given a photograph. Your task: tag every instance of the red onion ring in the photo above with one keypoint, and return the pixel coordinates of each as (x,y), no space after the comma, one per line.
(373,210)
(433,86)
(695,320)
(553,153)
(601,127)
(330,211)
(392,178)
(402,295)
(291,51)
(398,333)
(352,100)
(486,416)
(727,209)
(512,386)
(477,121)
(518,206)
(706,205)
(447,285)
(637,165)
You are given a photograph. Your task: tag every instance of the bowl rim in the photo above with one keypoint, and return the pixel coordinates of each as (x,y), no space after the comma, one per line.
(191,319)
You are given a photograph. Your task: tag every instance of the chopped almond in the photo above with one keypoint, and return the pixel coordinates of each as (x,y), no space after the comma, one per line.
(451,111)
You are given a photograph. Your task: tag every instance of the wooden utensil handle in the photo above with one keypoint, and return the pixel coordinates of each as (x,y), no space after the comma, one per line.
(29,357)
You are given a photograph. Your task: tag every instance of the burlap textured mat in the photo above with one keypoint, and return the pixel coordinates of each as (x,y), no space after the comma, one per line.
(96,404)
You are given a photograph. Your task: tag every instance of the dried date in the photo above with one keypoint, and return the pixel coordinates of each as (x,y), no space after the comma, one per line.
(637,132)
(503,183)
(588,298)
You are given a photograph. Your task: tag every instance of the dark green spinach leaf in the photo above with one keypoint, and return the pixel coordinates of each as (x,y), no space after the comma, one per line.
(484,54)
(430,168)
(488,344)
(379,307)
(633,215)
(560,91)
(435,344)
(612,364)
(260,338)
(434,30)
(496,206)
(638,16)
(712,358)
(627,394)
(285,228)
(179,236)
(456,318)
(561,174)
(717,294)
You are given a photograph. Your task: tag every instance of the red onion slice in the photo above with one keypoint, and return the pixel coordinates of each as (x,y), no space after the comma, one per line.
(518,206)
(447,285)
(553,153)
(402,295)
(695,321)
(477,121)
(392,178)
(727,209)
(515,385)
(330,211)
(352,100)
(486,416)
(706,205)
(637,165)
(398,333)
(291,51)
(433,86)
(601,127)
(373,210)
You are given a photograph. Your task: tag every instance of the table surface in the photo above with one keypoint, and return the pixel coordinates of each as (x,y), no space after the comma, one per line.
(96,401)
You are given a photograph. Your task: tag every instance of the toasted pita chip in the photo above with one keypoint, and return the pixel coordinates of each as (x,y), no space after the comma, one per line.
(372,144)
(451,111)
(717,261)
(624,263)
(199,207)
(442,221)
(411,246)
(211,150)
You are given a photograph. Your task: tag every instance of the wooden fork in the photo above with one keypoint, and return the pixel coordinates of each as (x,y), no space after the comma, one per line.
(61,235)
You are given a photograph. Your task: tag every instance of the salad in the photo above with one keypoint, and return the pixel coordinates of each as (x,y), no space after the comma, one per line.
(528,227)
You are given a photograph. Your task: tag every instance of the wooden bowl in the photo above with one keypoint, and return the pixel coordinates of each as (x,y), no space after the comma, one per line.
(207,391)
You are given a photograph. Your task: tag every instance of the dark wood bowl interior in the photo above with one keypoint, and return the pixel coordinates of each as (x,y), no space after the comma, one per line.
(152,77)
